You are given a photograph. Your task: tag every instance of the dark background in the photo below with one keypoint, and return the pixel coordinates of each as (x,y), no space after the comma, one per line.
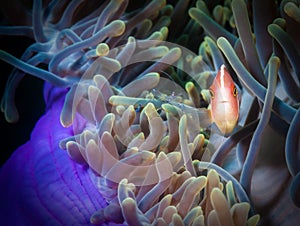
(29,100)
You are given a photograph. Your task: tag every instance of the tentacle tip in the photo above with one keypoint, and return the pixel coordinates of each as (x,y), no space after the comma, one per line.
(102,49)
(11,115)
(98,217)
(119,27)
(65,121)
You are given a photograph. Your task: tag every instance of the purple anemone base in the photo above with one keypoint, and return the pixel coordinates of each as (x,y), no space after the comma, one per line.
(40,184)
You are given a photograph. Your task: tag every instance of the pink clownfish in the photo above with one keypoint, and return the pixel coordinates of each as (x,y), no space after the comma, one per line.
(224,104)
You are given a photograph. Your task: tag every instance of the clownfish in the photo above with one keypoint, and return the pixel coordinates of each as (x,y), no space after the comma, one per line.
(224,104)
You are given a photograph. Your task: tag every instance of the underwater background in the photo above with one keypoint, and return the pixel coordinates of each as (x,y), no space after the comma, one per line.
(108,121)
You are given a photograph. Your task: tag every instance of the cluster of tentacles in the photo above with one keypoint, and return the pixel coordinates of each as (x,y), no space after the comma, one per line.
(139,147)
(137,77)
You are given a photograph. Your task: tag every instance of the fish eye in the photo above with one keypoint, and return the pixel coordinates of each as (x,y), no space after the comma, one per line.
(212,94)
(234,92)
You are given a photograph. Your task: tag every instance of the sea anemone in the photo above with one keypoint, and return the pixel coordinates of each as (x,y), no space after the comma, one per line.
(126,92)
